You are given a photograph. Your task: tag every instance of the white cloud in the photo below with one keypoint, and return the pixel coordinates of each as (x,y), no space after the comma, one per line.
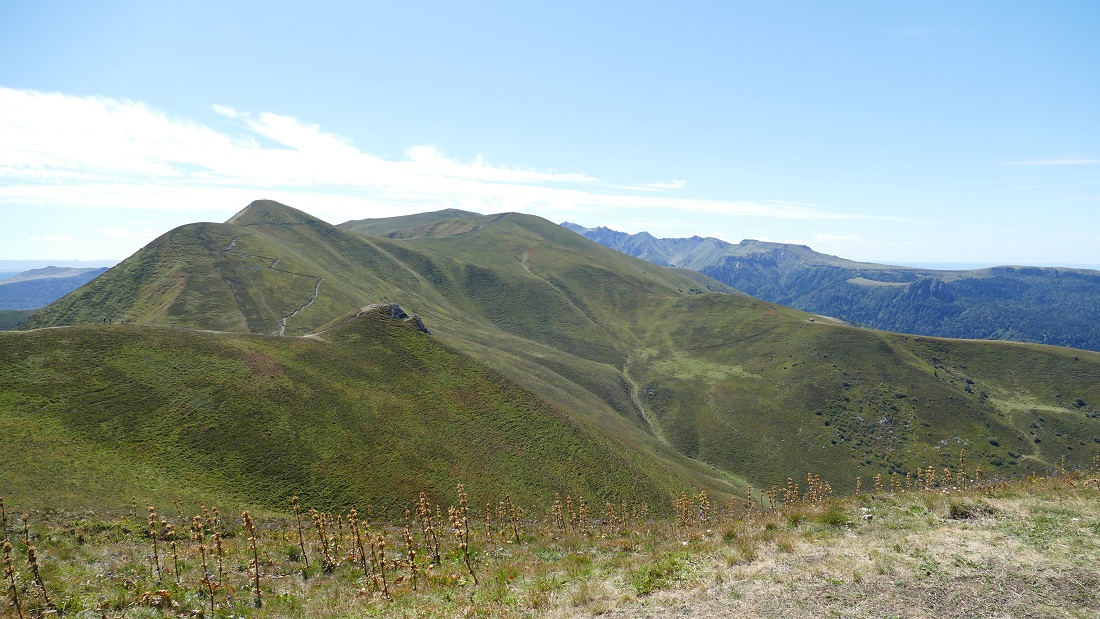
(677,184)
(657,186)
(225,110)
(425,154)
(50,238)
(57,149)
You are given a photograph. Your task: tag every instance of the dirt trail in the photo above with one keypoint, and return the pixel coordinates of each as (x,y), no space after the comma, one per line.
(636,397)
(316,293)
(232,246)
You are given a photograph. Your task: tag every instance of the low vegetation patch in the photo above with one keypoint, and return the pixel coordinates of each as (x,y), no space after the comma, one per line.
(662,573)
(886,552)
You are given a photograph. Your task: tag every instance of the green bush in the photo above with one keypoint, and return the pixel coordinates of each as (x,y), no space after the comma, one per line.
(834,517)
(660,574)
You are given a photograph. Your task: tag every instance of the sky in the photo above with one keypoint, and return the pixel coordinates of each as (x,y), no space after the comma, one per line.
(899,132)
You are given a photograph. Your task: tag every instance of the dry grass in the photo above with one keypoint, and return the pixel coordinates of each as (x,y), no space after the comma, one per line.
(1024,548)
(1028,550)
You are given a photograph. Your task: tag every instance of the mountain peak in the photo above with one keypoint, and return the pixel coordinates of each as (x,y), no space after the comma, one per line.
(270,212)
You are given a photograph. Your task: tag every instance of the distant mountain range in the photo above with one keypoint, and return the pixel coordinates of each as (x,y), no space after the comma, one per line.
(1028,304)
(39,287)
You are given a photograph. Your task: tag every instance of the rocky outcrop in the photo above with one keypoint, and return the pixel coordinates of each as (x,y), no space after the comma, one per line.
(396,313)
(928,288)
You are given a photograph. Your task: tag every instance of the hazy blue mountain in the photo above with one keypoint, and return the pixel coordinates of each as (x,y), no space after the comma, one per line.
(14,267)
(39,287)
(1048,305)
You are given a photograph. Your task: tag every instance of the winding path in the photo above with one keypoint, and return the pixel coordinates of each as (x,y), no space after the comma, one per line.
(316,293)
(232,246)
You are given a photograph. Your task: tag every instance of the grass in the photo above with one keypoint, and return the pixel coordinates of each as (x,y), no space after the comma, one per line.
(735,390)
(660,573)
(1021,548)
(95,415)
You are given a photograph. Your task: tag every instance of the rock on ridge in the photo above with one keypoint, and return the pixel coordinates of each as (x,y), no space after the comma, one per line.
(396,313)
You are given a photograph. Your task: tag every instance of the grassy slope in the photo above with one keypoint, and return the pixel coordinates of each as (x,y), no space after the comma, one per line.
(245,274)
(759,388)
(376,411)
(555,313)
(400,225)
(755,389)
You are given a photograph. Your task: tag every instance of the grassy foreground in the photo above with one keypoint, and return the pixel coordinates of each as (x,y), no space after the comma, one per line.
(1021,548)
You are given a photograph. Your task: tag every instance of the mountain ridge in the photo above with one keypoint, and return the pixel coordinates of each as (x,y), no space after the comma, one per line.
(974,303)
(695,388)
(36,288)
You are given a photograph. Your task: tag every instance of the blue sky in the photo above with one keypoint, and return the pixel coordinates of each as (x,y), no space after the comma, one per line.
(954,132)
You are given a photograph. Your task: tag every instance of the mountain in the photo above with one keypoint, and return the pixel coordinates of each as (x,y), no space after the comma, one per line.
(39,287)
(272,269)
(1025,304)
(14,267)
(674,379)
(366,413)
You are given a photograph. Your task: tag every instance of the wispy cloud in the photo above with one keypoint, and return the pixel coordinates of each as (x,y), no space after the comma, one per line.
(1058,161)
(50,238)
(57,149)
(225,110)
(657,186)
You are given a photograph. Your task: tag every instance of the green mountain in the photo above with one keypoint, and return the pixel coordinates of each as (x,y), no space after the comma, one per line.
(366,413)
(675,380)
(1024,304)
(39,287)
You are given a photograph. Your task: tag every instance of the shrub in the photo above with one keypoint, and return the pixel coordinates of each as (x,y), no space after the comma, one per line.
(966,510)
(660,574)
(834,517)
